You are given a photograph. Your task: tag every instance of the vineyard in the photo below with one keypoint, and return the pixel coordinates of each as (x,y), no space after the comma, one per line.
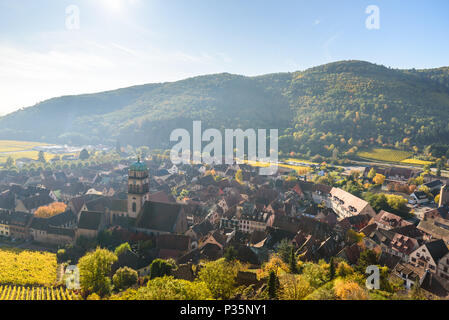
(388,155)
(27,268)
(34,293)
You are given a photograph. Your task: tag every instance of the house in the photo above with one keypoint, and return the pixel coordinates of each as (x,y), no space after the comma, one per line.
(443,269)
(172,245)
(437,228)
(418,197)
(160,218)
(43,232)
(210,247)
(257,221)
(346,204)
(402,246)
(131,260)
(388,221)
(199,230)
(428,255)
(32,203)
(410,274)
(89,224)
(15,224)
(434,185)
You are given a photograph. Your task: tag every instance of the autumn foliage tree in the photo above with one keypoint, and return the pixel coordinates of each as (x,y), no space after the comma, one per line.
(379,179)
(50,210)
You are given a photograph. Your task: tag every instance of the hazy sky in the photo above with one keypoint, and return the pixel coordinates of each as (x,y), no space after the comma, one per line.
(126,42)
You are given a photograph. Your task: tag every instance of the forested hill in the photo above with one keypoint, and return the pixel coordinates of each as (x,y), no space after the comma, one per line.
(339,105)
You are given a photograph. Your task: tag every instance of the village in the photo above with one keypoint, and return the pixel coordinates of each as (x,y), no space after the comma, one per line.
(193,212)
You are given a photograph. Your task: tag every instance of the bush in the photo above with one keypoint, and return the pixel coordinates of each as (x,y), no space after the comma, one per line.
(124,278)
(160,268)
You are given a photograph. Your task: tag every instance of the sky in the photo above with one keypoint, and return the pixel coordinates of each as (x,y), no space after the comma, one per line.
(50,48)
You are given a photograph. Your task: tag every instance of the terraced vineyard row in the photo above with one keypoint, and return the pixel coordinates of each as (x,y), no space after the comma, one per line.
(34,293)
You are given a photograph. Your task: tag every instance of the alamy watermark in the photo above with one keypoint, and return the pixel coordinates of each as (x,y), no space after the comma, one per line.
(72,277)
(212,153)
(373,280)
(72,20)
(372,22)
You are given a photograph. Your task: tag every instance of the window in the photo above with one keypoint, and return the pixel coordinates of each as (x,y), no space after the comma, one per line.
(134,207)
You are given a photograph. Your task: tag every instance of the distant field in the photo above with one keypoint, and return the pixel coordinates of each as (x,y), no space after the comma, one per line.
(23,267)
(389,155)
(300,161)
(298,169)
(21,149)
(11,145)
(416,161)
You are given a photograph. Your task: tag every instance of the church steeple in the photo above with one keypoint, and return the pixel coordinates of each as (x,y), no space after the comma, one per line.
(138,187)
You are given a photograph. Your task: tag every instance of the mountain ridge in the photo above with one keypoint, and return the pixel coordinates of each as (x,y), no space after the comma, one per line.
(314,109)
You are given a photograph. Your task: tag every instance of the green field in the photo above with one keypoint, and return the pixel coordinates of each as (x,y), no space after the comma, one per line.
(388,155)
(23,267)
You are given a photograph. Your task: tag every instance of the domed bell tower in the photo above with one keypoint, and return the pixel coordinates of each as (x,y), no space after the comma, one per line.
(138,187)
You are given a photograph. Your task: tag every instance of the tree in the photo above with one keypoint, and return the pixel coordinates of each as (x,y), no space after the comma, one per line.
(275,264)
(95,270)
(124,247)
(367,258)
(437,199)
(293,265)
(332,268)
(294,287)
(219,277)
(344,269)
(271,285)
(372,173)
(41,157)
(284,249)
(84,155)
(124,278)
(379,179)
(230,254)
(168,288)
(160,268)
(349,290)
(9,163)
(50,210)
(353,236)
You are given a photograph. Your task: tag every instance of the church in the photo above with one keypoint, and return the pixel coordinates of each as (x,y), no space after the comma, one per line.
(152,213)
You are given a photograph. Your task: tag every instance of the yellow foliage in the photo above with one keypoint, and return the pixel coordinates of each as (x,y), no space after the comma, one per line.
(344,269)
(294,287)
(23,267)
(379,178)
(50,210)
(349,290)
(274,264)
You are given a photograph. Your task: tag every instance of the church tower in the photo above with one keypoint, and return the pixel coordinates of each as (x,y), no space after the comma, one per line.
(138,187)
(444,196)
